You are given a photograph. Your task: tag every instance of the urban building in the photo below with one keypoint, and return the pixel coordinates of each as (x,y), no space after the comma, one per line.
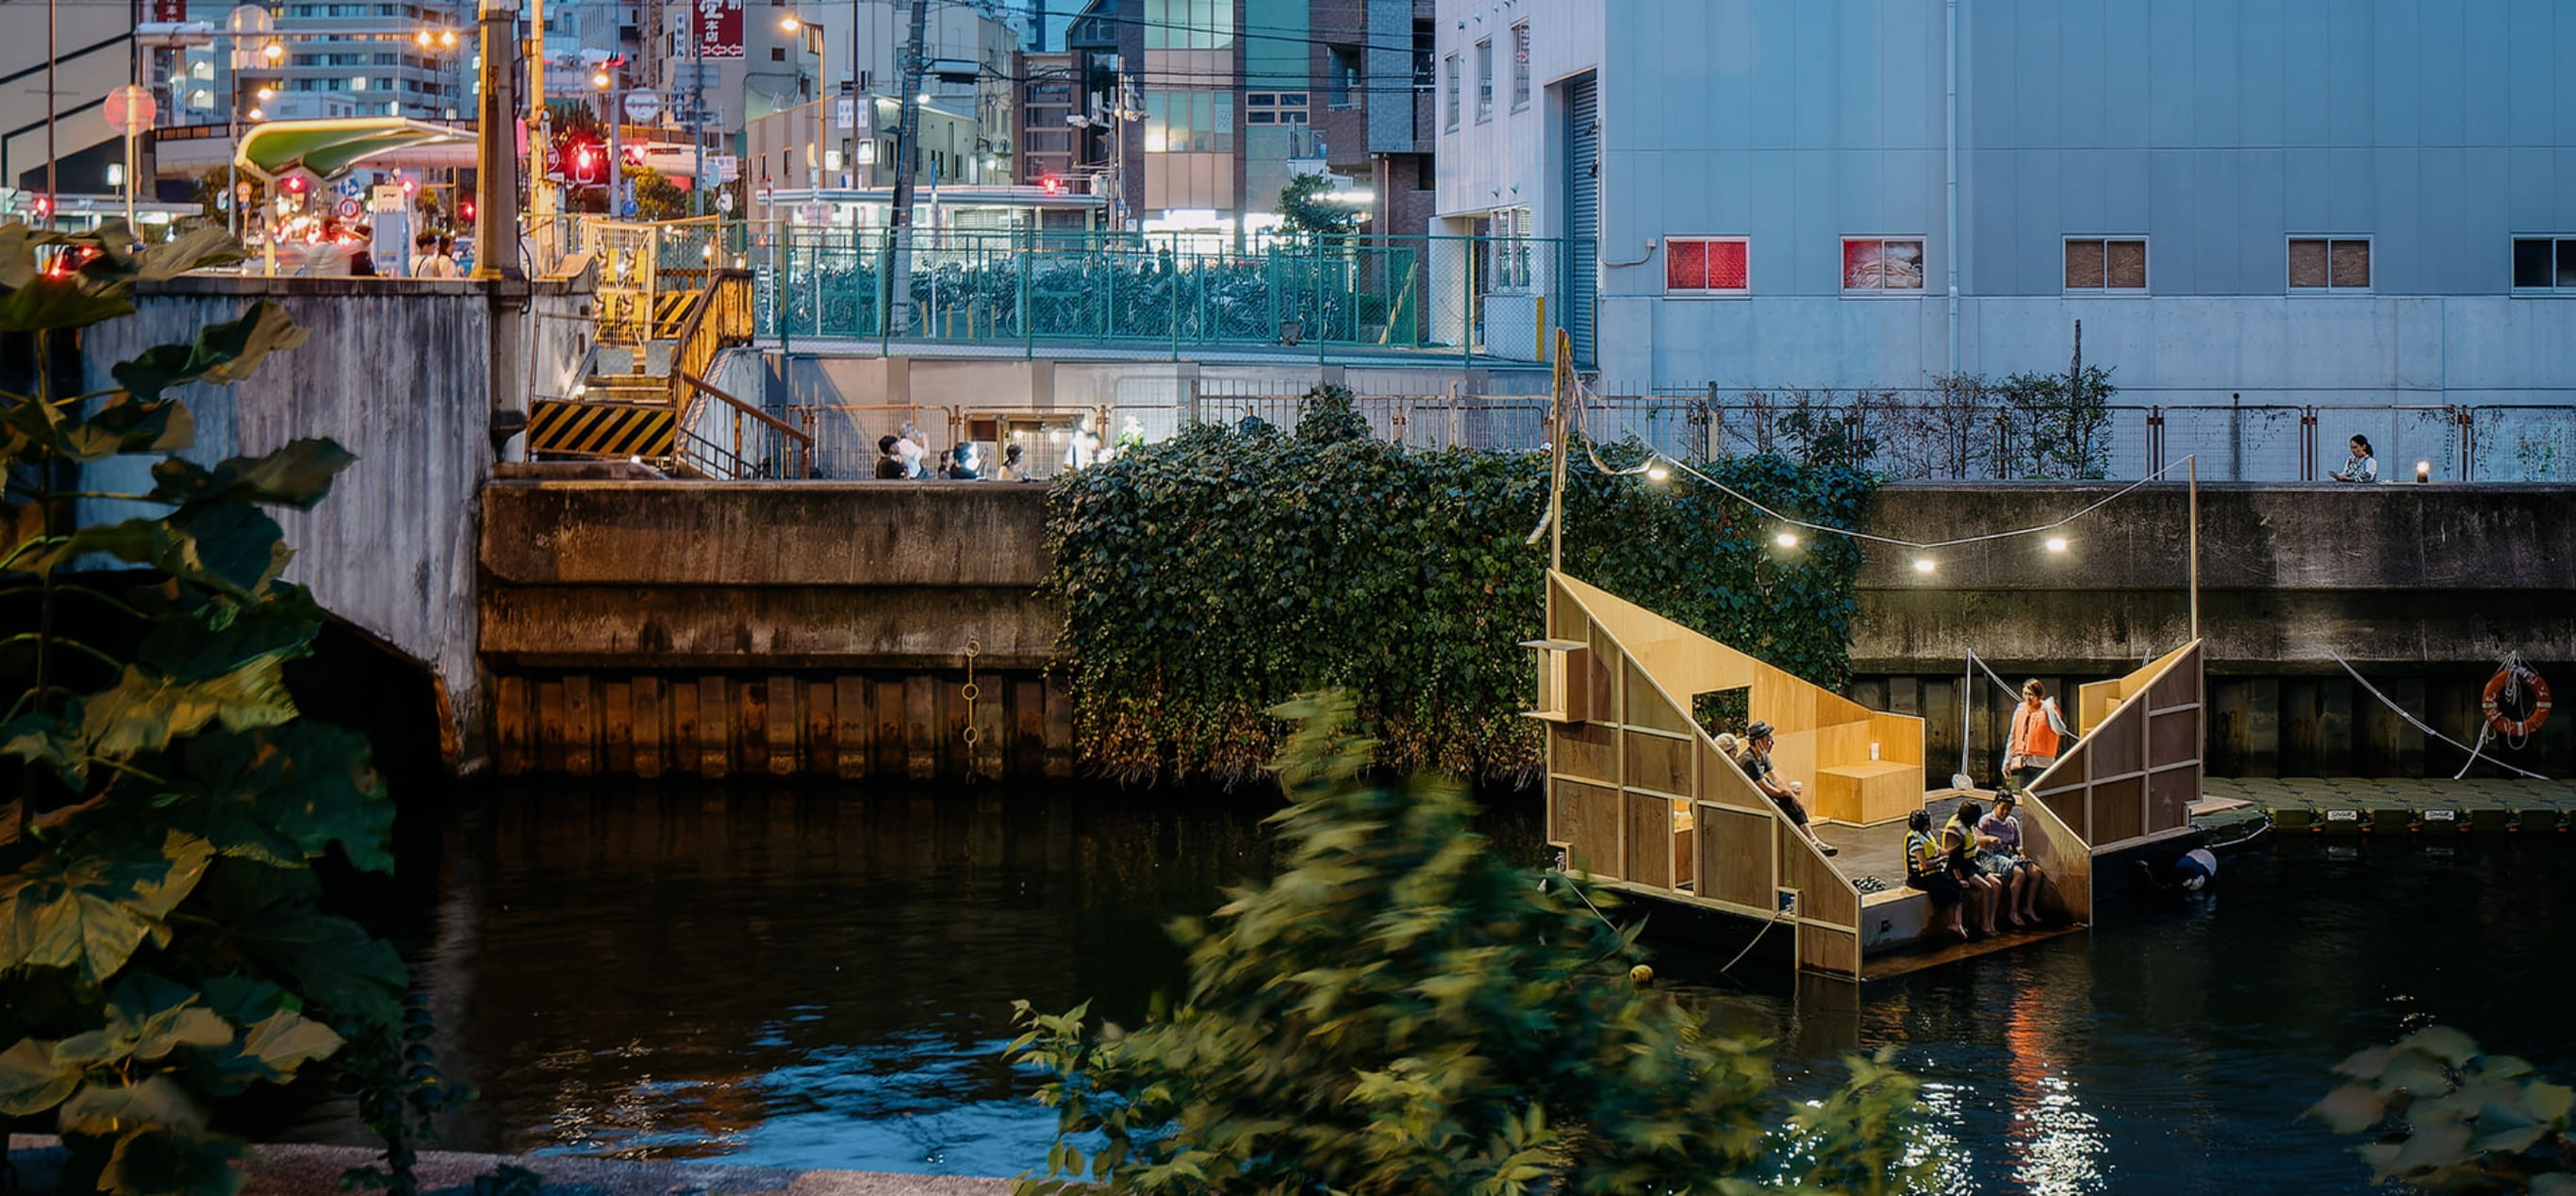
(2297,202)
(1050,92)
(94,54)
(1215,105)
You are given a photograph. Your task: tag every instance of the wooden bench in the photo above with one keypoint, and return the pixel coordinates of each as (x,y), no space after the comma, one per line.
(1871,791)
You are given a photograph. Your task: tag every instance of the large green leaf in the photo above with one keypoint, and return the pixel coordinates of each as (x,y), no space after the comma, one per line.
(143,713)
(188,251)
(154,1016)
(92,911)
(107,1108)
(231,548)
(222,636)
(126,426)
(271,1042)
(51,301)
(223,353)
(268,915)
(32,1080)
(157,1162)
(296,475)
(309,783)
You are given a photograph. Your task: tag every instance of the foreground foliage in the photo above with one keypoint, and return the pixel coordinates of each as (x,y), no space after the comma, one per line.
(162,939)
(2448,1117)
(1401,1011)
(1211,575)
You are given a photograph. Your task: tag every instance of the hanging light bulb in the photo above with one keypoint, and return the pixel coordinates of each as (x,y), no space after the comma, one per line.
(1786,538)
(1657,471)
(2057,543)
(1923,564)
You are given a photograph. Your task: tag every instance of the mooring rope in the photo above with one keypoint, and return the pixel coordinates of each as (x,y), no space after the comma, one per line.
(2419,724)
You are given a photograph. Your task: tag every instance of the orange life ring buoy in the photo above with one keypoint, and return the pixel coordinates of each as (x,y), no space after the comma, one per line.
(2515,727)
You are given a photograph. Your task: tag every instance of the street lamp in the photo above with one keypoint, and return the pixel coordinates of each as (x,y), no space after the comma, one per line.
(605,79)
(814,43)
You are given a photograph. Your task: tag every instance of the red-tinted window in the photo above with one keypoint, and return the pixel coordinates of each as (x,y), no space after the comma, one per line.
(1704,264)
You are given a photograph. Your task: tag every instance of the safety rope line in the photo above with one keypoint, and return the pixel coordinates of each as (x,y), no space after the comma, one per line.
(2418,723)
(1579,393)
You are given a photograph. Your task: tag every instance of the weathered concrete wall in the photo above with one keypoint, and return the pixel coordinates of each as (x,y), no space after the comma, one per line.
(2290,575)
(644,626)
(398,372)
(407,374)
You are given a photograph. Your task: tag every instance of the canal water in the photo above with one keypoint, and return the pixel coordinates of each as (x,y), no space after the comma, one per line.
(822,977)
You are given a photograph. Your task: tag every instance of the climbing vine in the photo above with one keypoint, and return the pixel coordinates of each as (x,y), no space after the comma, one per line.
(1208,577)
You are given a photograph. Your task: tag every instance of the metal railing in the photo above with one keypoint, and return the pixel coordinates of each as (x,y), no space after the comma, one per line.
(1338,297)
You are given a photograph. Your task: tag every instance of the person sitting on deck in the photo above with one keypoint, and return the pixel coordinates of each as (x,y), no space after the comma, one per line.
(1959,843)
(1756,763)
(1925,870)
(1999,837)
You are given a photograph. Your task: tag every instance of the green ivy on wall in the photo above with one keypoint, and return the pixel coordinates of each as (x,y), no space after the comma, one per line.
(1206,578)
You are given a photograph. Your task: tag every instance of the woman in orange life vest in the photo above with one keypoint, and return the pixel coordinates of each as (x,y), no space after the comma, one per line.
(2037,730)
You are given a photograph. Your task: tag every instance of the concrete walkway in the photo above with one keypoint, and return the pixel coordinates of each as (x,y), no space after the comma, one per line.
(298,1170)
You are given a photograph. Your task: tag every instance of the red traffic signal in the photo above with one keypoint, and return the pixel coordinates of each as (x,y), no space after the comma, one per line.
(293,184)
(44,207)
(589,165)
(1052,184)
(465,210)
(411,187)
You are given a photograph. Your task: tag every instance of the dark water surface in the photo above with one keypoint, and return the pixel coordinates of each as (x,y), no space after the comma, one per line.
(822,977)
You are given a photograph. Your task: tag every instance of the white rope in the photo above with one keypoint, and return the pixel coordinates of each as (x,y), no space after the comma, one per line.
(2418,723)
(1583,412)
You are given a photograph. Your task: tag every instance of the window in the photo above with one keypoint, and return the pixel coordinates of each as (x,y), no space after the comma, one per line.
(2544,263)
(2329,264)
(1449,119)
(1705,266)
(1509,263)
(1185,122)
(1423,42)
(2106,265)
(1882,263)
(1274,108)
(1484,80)
(1344,81)
(201,70)
(778,53)
(1520,66)
(1189,24)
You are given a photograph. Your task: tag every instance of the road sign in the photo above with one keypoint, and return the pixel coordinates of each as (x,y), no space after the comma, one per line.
(642,106)
(348,209)
(628,208)
(130,109)
(388,198)
(724,202)
(728,167)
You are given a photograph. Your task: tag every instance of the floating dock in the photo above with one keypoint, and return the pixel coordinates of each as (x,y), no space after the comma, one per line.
(2400,807)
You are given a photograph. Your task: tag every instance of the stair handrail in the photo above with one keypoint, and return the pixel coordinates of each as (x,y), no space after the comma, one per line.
(692,351)
(803,440)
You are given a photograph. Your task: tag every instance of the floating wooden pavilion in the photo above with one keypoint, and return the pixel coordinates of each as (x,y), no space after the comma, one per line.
(1639,797)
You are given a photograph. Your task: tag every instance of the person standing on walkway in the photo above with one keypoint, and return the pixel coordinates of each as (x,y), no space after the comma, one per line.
(2361,466)
(2037,731)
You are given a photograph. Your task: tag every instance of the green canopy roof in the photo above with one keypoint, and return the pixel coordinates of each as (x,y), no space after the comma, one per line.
(327,147)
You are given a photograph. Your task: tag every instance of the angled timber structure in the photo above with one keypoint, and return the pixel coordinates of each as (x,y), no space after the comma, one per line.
(1639,796)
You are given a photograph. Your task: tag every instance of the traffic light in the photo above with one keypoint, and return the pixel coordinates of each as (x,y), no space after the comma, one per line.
(589,164)
(292,184)
(410,186)
(1052,184)
(43,207)
(465,210)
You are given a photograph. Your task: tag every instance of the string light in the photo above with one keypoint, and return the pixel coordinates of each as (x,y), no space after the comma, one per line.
(1786,538)
(2057,543)
(1924,564)
(1657,471)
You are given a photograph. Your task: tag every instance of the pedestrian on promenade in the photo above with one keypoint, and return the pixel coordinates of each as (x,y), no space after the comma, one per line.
(2361,466)
(1012,470)
(890,461)
(907,445)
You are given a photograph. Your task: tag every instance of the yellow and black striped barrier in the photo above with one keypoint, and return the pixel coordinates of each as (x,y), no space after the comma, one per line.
(564,428)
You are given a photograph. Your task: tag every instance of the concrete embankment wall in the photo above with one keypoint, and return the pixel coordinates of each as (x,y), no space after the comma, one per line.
(403,373)
(821,627)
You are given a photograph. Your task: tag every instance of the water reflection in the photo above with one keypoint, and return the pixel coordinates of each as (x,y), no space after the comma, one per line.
(822,977)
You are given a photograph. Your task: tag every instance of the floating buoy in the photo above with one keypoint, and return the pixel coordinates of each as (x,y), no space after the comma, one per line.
(1641,976)
(2492,703)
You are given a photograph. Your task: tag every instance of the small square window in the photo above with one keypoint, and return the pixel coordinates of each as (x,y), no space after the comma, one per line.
(2544,263)
(2329,264)
(2106,265)
(1705,265)
(1883,263)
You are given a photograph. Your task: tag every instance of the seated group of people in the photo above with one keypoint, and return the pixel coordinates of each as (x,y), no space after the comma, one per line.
(1975,860)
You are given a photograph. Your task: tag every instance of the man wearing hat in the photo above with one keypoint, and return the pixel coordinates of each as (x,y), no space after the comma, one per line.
(1756,762)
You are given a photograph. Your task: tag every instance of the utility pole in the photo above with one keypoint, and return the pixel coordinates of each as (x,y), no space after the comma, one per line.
(496,161)
(540,196)
(907,131)
(52,191)
(698,109)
